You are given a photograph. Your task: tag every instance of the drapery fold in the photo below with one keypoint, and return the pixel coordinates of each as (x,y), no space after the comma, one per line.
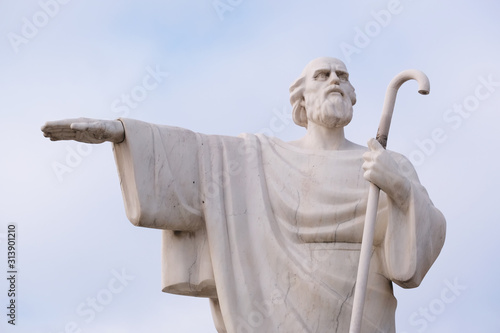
(269,232)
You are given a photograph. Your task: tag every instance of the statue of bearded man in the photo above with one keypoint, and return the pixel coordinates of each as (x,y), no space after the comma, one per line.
(270,231)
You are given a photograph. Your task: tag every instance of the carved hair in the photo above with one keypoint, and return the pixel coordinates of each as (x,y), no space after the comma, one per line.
(297,97)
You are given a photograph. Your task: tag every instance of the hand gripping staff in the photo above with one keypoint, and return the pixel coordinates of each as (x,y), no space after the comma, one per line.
(374,191)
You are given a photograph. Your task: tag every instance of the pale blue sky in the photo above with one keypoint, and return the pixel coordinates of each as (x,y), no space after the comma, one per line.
(229,73)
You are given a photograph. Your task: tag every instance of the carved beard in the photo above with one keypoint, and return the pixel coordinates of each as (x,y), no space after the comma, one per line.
(330,111)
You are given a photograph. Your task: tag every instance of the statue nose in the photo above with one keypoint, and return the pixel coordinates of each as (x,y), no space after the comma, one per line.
(334,79)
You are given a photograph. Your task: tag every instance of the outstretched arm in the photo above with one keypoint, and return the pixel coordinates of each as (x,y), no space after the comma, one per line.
(84,130)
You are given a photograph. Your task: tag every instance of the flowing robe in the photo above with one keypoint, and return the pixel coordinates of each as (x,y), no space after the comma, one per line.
(271,233)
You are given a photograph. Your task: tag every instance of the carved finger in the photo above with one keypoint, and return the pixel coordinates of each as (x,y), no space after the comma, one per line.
(62,137)
(368,156)
(58,124)
(81,127)
(374,145)
(60,131)
(367,165)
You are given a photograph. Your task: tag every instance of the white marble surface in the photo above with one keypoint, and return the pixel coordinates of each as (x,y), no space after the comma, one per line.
(270,231)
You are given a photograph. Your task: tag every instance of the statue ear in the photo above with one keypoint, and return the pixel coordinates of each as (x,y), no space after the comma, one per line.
(352,95)
(296,90)
(297,100)
(297,85)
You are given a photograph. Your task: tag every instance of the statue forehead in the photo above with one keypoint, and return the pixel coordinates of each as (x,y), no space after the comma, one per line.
(324,63)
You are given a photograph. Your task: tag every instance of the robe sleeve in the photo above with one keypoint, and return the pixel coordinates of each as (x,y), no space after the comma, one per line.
(414,237)
(158,170)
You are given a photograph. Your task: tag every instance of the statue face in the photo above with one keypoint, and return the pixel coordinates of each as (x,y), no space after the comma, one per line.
(328,93)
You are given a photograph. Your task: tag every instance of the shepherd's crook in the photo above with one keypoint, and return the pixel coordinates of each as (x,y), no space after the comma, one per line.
(373,194)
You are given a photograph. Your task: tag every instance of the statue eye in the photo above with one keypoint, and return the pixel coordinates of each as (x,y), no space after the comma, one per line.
(343,76)
(322,76)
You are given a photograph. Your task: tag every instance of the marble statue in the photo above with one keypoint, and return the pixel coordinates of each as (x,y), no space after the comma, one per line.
(270,231)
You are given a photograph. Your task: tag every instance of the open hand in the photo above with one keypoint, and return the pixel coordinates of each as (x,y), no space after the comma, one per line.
(84,130)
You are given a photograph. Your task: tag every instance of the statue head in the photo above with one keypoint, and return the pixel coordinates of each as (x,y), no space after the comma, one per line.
(323,94)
